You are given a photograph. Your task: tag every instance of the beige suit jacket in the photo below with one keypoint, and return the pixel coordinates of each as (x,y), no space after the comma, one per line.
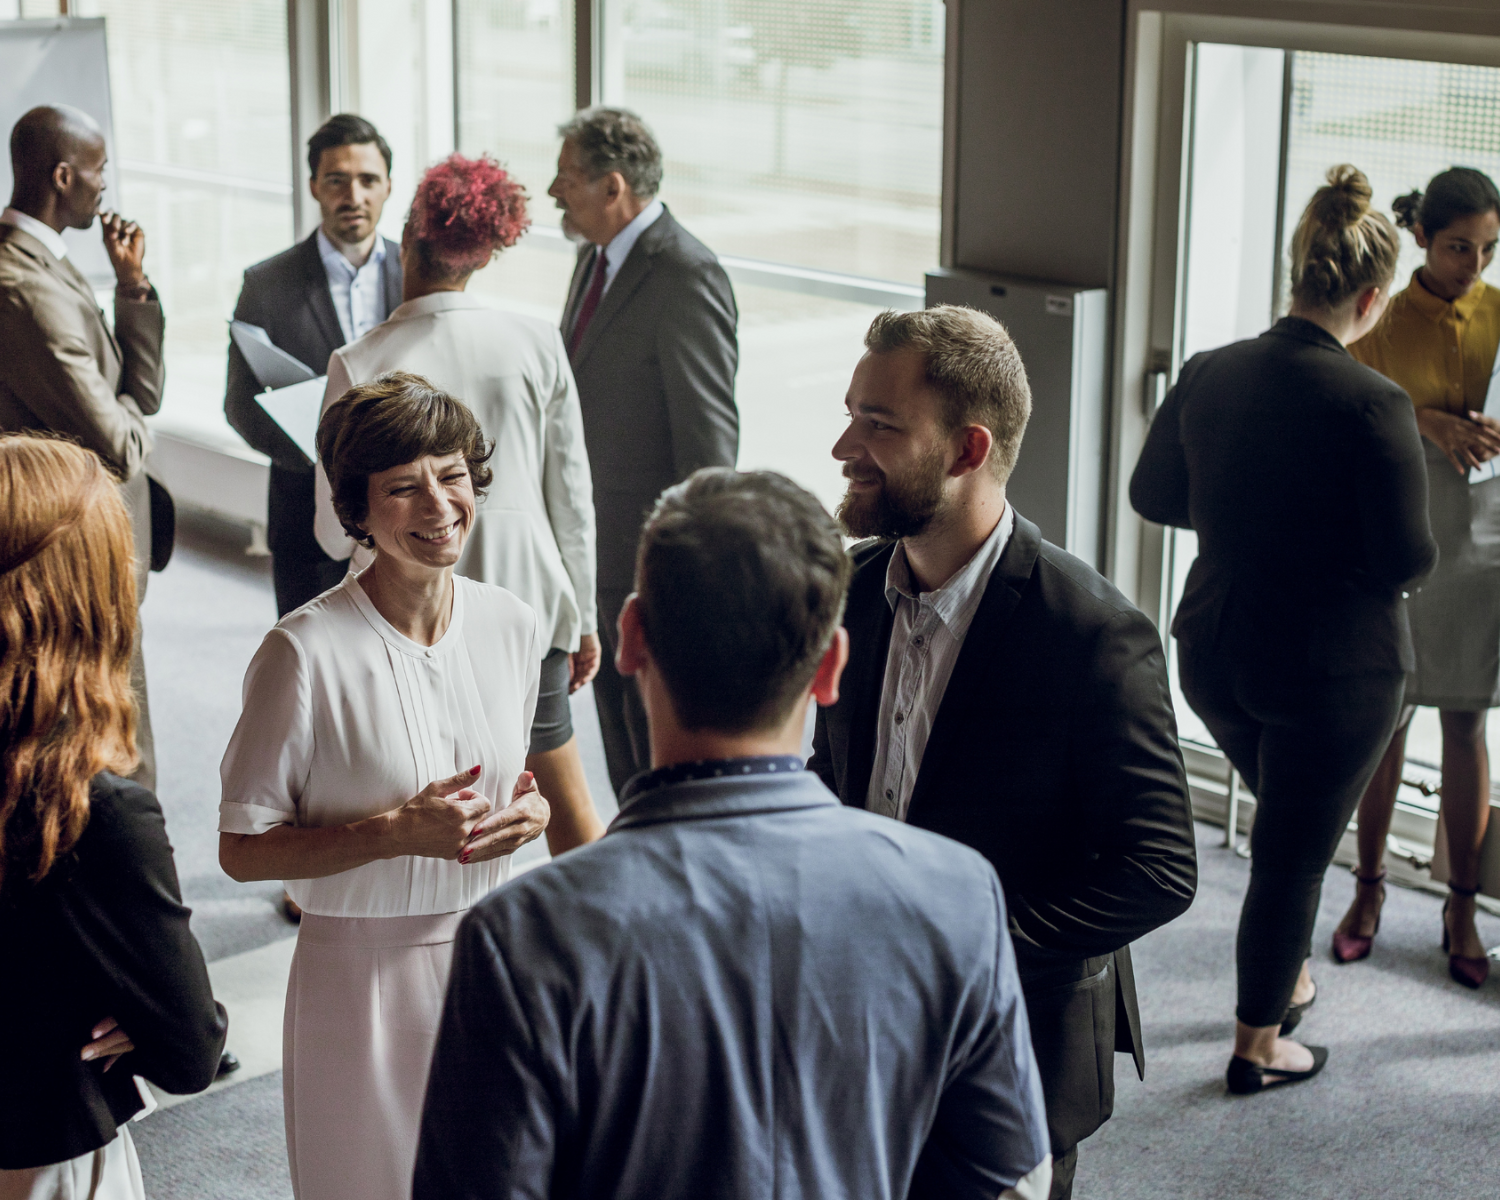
(62,369)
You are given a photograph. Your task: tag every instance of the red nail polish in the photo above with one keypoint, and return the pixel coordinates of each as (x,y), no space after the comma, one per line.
(473,770)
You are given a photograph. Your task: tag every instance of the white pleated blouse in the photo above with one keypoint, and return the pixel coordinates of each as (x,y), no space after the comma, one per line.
(345,718)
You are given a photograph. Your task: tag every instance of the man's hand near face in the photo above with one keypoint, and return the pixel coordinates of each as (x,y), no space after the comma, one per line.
(125,243)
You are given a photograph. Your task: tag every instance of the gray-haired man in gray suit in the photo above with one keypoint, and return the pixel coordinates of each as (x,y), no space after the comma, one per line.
(650,330)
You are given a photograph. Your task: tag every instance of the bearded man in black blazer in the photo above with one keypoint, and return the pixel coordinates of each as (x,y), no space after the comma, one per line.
(326,290)
(1001,692)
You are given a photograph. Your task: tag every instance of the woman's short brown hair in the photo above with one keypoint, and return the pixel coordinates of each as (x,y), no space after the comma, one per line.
(67,626)
(394,419)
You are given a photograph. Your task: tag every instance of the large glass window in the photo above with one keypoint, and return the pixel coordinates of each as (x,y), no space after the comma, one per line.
(202,129)
(515,86)
(799,131)
(807,134)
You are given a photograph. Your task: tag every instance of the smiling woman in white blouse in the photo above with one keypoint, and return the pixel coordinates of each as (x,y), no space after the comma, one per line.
(377,768)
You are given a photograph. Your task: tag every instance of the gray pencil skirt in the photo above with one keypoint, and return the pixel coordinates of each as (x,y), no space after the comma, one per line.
(1455,617)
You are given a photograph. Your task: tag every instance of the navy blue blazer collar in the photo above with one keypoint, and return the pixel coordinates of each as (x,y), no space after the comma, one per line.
(702,799)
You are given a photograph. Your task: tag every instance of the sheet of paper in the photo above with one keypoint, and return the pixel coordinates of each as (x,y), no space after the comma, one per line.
(297,409)
(1491,469)
(273,366)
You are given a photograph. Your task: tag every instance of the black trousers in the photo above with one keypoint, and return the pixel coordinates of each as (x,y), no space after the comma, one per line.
(1307,749)
(622,716)
(1064,1167)
(300,570)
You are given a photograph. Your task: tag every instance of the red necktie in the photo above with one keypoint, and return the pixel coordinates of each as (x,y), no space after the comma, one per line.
(590,303)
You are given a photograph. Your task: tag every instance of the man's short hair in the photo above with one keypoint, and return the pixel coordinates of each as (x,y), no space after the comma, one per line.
(345,129)
(615,139)
(393,420)
(973,366)
(740,580)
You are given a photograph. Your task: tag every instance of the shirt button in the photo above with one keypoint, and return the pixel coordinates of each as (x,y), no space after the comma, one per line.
(889,795)
(917,641)
(900,717)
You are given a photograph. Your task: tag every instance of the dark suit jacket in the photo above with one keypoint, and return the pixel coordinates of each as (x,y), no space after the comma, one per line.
(105,934)
(288,297)
(1302,472)
(742,991)
(655,372)
(1054,754)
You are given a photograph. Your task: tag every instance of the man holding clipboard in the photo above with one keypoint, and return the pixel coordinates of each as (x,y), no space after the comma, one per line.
(308,301)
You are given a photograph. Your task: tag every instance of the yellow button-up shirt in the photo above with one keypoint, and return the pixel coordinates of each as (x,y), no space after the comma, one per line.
(1442,353)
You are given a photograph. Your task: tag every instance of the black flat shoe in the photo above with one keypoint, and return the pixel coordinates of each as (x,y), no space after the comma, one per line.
(229,1063)
(1245,1078)
(1295,1013)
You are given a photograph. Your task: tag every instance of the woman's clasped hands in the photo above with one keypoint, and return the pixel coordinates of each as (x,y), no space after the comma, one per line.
(1466,440)
(448,819)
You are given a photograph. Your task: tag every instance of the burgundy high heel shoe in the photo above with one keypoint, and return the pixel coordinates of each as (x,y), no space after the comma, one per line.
(1349,947)
(1471,972)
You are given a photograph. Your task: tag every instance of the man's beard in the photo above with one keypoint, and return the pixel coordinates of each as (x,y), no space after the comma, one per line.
(570,230)
(901,508)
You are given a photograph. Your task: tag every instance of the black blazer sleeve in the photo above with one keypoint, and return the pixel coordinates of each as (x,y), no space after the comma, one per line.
(245,416)
(1394,528)
(127,912)
(698,349)
(1159,487)
(1132,783)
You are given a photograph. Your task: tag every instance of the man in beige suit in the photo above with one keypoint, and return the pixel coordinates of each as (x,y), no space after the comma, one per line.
(62,369)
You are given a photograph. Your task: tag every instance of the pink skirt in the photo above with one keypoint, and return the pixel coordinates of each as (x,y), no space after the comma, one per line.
(362,1010)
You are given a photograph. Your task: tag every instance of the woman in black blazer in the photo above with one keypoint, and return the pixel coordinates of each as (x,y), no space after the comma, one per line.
(104,981)
(1302,473)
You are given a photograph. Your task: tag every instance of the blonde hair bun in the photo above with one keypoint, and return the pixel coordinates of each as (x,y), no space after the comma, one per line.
(1341,245)
(1346,198)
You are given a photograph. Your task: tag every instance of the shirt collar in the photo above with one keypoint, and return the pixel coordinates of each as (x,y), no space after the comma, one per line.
(334,260)
(957,600)
(1435,307)
(435,302)
(729,795)
(622,243)
(710,768)
(43,233)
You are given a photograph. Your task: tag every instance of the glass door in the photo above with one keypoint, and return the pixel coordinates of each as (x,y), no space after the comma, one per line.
(1263,125)
(1231,229)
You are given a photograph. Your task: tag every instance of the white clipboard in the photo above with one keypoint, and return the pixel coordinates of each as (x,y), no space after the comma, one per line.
(297,409)
(273,367)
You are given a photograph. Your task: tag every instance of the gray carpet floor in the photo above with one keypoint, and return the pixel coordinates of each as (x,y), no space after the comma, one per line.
(1406,1107)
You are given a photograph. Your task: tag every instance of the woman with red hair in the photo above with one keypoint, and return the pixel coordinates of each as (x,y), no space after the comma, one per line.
(103,979)
(534,532)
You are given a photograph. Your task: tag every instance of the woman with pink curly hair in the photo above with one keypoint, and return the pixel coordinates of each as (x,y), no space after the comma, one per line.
(534,532)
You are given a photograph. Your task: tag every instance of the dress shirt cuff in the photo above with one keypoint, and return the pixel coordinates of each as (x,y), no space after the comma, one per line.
(251,818)
(141,293)
(1036,1184)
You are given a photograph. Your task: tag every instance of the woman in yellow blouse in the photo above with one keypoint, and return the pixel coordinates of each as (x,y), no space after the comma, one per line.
(1438,341)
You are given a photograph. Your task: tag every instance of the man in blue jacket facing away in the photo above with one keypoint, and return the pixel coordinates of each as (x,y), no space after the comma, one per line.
(746,989)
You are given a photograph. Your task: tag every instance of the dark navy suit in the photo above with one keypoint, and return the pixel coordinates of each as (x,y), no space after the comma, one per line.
(744,990)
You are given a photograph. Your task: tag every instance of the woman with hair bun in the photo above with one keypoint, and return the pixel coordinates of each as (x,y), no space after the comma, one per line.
(534,532)
(1438,341)
(1301,471)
